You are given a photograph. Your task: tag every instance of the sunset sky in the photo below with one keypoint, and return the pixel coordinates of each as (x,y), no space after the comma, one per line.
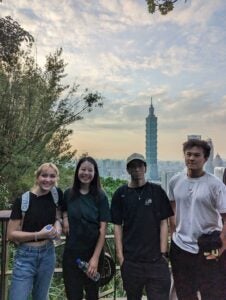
(117,48)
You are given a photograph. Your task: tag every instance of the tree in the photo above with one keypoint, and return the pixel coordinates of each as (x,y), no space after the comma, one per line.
(36,108)
(164,6)
(12,35)
(110,185)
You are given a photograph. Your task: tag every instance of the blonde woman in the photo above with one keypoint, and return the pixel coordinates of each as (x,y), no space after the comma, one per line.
(35,256)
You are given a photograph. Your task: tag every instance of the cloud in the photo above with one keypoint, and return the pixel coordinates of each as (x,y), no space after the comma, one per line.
(129,55)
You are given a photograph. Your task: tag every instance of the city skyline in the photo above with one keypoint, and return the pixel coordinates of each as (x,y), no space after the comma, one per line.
(129,56)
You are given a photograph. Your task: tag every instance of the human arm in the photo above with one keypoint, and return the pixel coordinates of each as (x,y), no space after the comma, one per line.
(15,234)
(220,198)
(172,219)
(223,234)
(117,219)
(58,223)
(164,236)
(64,208)
(118,243)
(103,219)
(93,262)
(65,223)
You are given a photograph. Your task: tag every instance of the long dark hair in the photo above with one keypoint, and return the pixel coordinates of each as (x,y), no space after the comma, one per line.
(95,186)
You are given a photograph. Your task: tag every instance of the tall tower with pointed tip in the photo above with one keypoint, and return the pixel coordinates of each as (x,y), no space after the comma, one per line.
(151,144)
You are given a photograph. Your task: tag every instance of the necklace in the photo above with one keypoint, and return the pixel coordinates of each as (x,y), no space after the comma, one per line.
(139,195)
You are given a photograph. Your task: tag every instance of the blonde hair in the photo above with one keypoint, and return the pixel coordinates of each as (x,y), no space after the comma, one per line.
(44,166)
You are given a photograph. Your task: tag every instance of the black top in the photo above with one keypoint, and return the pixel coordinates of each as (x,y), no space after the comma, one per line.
(41,211)
(84,215)
(140,211)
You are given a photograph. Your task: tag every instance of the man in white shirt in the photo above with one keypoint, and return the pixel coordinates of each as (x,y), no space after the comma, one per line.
(199,203)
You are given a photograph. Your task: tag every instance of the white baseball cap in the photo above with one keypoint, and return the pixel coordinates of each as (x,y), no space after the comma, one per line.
(136,156)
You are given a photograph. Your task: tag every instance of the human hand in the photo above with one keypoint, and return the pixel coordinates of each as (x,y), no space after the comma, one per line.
(47,232)
(223,247)
(93,266)
(58,229)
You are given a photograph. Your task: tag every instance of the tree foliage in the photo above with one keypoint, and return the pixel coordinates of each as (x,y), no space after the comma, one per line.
(12,36)
(163,6)
(110,185)
(36,107)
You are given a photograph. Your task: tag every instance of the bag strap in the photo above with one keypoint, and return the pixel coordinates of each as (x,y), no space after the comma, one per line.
(24,206)
(55,195)
(26,201)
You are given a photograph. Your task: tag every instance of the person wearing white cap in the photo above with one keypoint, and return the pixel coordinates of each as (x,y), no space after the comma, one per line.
(139,211)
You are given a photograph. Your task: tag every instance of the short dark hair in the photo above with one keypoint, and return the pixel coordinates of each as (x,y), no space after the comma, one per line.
(198,143)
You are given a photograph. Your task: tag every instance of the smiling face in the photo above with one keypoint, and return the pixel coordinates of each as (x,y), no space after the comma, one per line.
(86,172)
(46,179)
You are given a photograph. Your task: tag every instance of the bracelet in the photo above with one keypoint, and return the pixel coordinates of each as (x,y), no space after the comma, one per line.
(64,217)
(36,236)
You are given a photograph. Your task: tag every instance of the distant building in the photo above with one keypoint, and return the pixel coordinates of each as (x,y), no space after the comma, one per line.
(112,168)
(151,145)
(209,164)
(218,161)
(194,137)
(165,178)
(219,172)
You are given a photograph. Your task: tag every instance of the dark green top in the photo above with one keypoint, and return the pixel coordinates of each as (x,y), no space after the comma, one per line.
(84,215)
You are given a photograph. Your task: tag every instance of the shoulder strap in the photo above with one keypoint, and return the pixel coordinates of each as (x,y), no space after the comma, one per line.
(55,195)
(25,201)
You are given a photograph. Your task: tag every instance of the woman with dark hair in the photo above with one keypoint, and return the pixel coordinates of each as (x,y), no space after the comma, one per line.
(85,215)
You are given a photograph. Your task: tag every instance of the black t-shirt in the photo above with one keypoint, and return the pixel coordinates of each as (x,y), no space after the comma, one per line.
(140,211)
(84,215)
(41,211)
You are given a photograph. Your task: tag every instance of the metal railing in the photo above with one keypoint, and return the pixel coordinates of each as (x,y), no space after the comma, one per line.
(5,272)
(4,218)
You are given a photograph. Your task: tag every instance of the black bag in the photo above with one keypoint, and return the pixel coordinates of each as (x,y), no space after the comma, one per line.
(209,242)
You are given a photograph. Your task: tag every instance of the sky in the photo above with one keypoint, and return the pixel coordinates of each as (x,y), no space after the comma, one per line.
(117,48)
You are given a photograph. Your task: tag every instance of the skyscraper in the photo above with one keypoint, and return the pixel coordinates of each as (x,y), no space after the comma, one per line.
(194,137)
(209,164)
(151,144)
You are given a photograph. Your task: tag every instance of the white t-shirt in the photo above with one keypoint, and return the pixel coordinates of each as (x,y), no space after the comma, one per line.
(199,203)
